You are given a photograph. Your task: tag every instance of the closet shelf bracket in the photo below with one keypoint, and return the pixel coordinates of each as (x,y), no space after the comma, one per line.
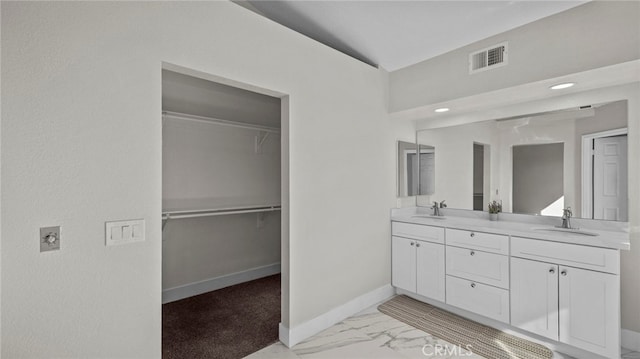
(165,220)
(260,138)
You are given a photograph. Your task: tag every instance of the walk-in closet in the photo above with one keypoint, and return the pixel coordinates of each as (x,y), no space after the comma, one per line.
(221,218)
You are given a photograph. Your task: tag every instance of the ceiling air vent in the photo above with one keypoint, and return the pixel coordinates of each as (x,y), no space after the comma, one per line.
(489,58)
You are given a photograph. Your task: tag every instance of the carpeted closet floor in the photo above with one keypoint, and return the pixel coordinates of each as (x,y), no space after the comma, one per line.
(227,323)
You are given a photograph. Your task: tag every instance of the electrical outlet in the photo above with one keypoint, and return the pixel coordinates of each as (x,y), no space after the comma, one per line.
(49,239)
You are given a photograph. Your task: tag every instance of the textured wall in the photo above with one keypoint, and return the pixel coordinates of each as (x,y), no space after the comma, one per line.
(589,36)
(81,144)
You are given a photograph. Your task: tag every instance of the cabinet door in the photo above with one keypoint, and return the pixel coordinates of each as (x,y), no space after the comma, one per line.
(430,270)
(590,310)
(534,297)
(403,263)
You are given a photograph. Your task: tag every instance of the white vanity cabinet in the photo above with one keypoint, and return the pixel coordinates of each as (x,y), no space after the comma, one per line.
(558,288)
(573,305)
(417,259)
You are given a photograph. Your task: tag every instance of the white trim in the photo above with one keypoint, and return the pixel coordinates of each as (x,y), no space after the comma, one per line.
(587,167)
(291,337)
(630,340)
(207,285)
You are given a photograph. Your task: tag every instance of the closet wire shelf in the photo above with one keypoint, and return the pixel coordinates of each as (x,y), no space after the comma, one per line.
(211,120)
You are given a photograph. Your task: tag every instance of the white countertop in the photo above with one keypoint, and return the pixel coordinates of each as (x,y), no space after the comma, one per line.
(521,226)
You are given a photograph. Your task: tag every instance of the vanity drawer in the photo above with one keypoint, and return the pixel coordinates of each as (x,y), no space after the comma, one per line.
(418,231)
(494,243)
(478,298)
(487,268)
(594,258)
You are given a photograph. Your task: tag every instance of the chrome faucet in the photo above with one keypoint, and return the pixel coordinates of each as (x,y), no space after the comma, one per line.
(436,208)
(566,218)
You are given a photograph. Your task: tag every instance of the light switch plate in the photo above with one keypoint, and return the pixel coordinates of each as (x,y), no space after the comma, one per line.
(124,232)
(49,239)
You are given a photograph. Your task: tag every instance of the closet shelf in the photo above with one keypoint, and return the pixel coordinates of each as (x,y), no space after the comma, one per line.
(210,120)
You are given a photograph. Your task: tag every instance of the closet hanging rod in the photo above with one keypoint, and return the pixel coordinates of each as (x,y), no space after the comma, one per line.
(196,214)
(195,118)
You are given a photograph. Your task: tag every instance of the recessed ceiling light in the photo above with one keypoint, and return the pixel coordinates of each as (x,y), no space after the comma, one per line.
(442,109)
(562,86)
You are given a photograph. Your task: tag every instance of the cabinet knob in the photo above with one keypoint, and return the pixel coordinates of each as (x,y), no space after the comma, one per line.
(473,285)
(473,253)
(552,270)
(564,272)
(472,234)
(412,243)
(417,244)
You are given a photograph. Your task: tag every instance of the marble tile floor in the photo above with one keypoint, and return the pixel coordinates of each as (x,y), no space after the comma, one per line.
(373,335)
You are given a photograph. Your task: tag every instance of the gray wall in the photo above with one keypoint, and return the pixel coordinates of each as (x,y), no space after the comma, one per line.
(537,176)
(596,34)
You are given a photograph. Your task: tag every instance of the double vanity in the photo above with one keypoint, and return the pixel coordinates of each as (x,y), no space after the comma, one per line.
(520,272)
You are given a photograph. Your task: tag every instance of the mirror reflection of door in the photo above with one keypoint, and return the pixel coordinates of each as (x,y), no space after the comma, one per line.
(408,168)
(412,172)
(427,170)
(610,178)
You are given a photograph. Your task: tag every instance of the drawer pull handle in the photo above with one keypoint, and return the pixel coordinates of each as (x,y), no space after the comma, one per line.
(412,243)
(564,272)
(472,234)
(417,244)
(552,270)
(473,285)
(473,253)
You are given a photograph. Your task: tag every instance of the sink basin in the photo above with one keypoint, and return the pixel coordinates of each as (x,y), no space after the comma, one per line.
(429,216)
(567,230)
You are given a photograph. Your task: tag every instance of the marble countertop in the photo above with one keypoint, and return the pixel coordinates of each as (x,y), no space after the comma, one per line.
(609,234)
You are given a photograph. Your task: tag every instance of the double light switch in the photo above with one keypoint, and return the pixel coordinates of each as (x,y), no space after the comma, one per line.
(123,232)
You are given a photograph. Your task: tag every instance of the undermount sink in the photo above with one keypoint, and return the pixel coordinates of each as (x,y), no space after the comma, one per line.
(429,216)
(567,230)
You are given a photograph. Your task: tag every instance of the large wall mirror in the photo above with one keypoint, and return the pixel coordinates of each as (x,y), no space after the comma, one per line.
(537,163)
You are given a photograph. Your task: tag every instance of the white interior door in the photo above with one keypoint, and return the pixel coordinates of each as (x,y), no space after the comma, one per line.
(610,178)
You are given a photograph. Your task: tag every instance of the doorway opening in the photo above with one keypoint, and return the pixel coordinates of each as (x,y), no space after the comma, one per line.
(481,175)
(224,215)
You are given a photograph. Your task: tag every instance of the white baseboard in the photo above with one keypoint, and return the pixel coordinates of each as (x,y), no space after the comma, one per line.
(191,289)
(291,337)
(630,340)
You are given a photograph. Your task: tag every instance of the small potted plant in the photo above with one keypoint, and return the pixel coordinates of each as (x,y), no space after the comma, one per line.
(495,207)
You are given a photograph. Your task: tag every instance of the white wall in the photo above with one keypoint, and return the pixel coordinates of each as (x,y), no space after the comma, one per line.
(589,36)
(81,144)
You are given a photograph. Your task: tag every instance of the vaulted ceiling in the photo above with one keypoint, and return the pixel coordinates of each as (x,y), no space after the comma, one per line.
(396,34)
